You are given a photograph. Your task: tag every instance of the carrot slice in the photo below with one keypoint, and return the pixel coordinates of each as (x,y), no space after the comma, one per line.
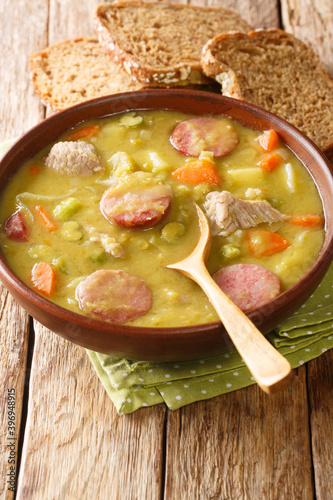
(48,223)
(197,172)
(308,220)
(81,133)
(270,162)
(43,278)
(268,140)
(262,243)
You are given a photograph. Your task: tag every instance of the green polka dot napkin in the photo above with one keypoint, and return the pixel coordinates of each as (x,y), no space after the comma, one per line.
(132,385)
(135,384)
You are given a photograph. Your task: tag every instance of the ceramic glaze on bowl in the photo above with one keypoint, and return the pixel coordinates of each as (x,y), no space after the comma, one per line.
(136,342)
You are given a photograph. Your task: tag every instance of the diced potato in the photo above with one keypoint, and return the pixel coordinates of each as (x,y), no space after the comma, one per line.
(290,177)
(150,161)
(247,176)
(158,163)
(70,231)
(173,231)
(122,163)
(66,209)
(207,155)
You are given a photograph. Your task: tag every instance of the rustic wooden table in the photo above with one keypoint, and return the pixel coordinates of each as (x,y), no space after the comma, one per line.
(69,441)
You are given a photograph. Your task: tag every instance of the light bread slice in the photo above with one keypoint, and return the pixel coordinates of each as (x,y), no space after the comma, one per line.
(160,43)
(77,70)
(274,70)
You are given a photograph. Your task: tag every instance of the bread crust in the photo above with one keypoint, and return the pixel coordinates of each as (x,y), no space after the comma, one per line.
(75,70)
(183,72)
(289,81)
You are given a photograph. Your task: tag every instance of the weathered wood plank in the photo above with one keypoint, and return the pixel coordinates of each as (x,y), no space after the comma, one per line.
(312,22)
(242,445)
(92,451)
(70,20)
(76,445)
(14,328)
(259,14)
(20,29)
(320,387)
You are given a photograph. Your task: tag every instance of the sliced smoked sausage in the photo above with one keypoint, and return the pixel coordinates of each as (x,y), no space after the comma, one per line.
(114,296)
(136,201)
(193,136)
(15,227)
(249,286)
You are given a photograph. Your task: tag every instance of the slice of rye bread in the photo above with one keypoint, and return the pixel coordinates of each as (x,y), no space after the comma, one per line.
(74,71)
(160,43)
(278,72)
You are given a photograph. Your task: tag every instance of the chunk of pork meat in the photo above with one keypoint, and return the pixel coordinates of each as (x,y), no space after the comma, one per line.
(110,245)
(228,213)
(74,158)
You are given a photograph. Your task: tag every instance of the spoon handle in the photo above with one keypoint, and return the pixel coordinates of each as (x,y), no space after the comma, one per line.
(269,368)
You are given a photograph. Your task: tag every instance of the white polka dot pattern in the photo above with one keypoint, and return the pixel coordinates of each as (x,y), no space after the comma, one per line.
(132,385)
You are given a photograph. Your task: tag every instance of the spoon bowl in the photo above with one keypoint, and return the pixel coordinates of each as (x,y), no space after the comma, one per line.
(270,369)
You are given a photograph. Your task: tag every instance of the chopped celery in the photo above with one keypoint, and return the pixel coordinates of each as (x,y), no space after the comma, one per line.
(59,262)
(130,121)
(66,209)
(97,255)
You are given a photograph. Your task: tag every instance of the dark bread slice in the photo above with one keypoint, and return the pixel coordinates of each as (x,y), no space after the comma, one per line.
(77,70)
(278,72)
(160,43)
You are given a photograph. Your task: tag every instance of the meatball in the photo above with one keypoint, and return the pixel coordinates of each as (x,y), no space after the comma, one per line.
(74,158)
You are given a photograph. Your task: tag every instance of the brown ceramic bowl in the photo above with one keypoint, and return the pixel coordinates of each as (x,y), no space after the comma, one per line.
(168,344)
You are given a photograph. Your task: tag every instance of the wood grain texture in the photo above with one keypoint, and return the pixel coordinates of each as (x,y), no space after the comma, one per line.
(312,22)
(22,32)
(259,14)
(19,110)
(77,447)
(320,387)
(14,328)
(243,445)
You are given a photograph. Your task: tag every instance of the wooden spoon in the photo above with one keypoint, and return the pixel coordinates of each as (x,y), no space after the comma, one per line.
(269,368)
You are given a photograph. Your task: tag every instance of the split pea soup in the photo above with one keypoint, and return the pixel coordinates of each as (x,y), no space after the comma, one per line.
(92,220)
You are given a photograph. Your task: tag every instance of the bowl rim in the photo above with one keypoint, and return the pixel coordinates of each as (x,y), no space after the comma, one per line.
(8,276)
